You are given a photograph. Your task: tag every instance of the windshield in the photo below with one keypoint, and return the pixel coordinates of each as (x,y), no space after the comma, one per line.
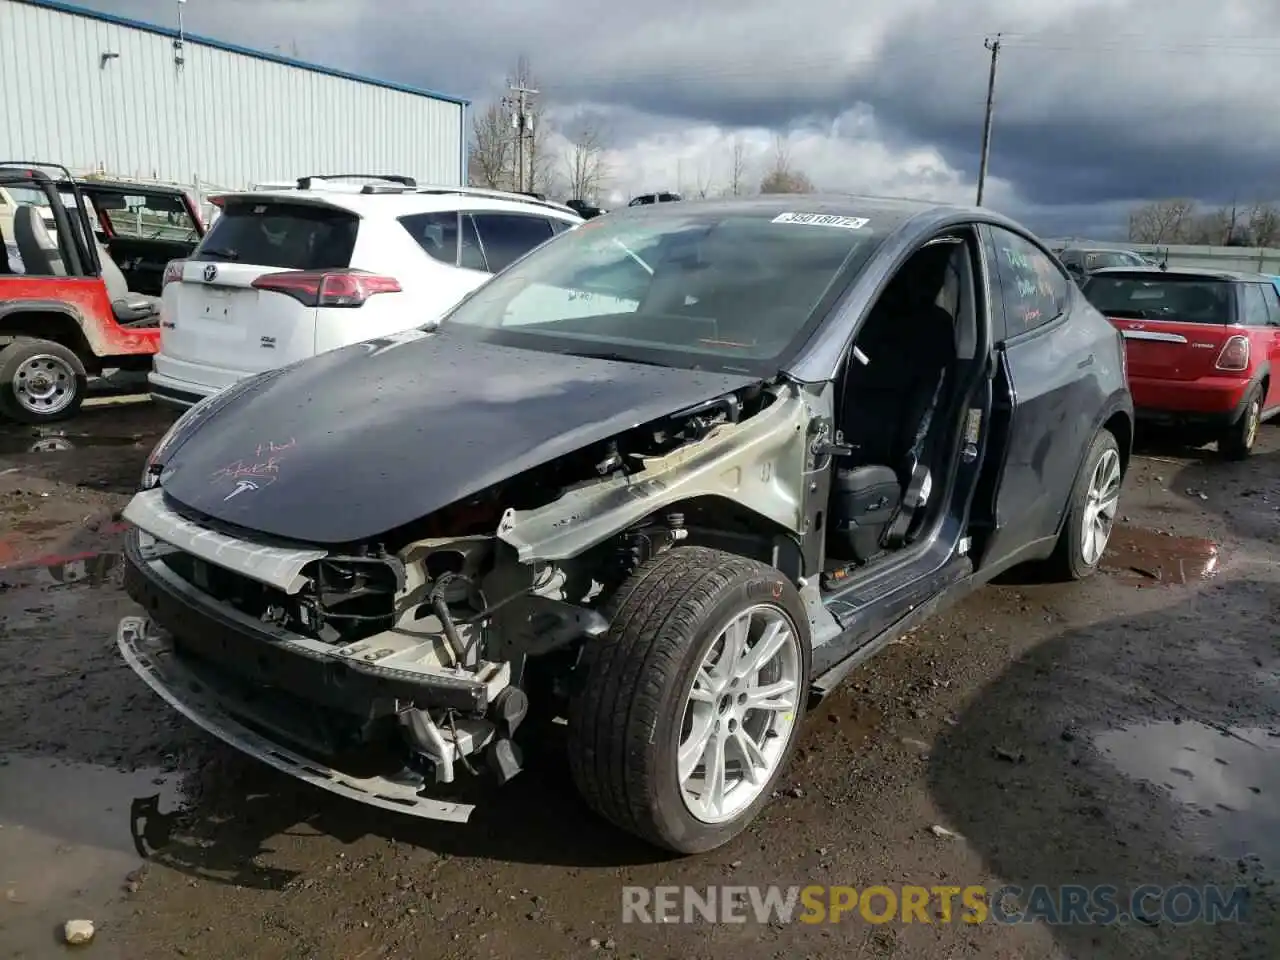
(1189,300)
(145,216)
(736,291)
(1113,258)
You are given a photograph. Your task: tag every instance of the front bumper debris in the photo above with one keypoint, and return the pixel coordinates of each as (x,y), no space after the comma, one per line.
(149,652)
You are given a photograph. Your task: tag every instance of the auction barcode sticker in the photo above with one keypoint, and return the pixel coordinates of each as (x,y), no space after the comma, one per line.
(823,220)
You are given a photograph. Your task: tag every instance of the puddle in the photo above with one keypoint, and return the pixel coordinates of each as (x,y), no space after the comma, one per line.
(1148,558)
(70,834)
(58,442)
(1230,783)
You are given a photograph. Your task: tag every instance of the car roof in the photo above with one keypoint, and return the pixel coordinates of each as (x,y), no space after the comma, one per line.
(882,212)
(1200,273)
(405,201)
(1093,248)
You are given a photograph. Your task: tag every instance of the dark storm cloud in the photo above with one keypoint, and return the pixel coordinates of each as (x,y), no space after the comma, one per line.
(1100,108)
(1099,102)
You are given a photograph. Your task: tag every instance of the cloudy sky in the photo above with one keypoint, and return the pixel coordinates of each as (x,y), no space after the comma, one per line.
(1100,104)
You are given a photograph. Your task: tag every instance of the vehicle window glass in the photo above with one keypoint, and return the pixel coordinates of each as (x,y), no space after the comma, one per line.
(436,233)
(1034,289)
(1255,306)
(472,255)
(1271,294)
(289,236)
(142,216)
(559,226)
(509,236)
(1161,297)
(676,290)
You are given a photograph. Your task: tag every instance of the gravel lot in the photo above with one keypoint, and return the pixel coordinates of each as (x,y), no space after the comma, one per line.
(1125,730)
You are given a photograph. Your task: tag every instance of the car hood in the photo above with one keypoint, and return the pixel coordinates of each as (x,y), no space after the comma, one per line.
(361,440)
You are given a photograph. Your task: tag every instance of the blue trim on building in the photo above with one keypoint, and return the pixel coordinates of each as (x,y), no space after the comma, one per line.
(72,9)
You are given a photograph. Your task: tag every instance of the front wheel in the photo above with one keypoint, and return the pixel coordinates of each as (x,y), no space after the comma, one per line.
(685,715)
(40,381)
(1237,443)
(1091,513)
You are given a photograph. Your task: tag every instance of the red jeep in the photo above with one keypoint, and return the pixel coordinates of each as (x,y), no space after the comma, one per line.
(81,266)
(1202,347)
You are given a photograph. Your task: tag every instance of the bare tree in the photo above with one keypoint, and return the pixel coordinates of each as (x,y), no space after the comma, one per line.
(738,168)
(781,178)
(704,182)
(1264,224)
(586,167)
(491,157)
(1163,221)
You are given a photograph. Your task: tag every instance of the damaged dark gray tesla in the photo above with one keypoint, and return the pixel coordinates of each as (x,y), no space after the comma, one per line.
(665,480)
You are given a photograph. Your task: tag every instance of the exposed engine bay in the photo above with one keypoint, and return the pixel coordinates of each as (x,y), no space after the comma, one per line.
(438,634)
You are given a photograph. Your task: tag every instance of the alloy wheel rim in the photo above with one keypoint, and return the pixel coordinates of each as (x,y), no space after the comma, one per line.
(44,384)
(1101,503)
(740,714)
(1251,425)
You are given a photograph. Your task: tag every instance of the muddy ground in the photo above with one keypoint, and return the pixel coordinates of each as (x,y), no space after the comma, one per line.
(1121,731)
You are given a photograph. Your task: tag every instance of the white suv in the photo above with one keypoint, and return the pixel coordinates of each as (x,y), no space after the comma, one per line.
(284,274)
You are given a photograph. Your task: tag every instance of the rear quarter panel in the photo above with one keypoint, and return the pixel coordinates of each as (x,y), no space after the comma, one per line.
(85,299)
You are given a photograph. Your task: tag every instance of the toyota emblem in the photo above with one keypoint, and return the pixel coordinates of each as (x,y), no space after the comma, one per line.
(209,273)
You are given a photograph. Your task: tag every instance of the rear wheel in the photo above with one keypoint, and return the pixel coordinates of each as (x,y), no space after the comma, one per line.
(40,381)
(1237,443)
(1091,515)
(684,717)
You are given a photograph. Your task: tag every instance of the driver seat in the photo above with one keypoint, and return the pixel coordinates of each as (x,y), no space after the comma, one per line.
(134,309)
(36,246)
(888,409)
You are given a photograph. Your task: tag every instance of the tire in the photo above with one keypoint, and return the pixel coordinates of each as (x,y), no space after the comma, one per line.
(59,372)
(632,689)
(1070,560)
(1238,440)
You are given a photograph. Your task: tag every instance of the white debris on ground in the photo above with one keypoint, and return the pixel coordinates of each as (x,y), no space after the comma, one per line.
(77,931)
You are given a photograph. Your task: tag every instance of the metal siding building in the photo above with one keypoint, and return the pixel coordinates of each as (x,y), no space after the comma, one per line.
(96,92)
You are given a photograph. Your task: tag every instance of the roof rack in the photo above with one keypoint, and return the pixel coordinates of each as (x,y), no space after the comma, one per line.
(497,195)
(405,183)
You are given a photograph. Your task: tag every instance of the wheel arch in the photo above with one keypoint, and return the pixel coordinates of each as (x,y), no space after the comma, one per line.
(47,320)
(722,522)
(1116,417)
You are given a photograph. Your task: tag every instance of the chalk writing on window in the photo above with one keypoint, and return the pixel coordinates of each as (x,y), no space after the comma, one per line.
(1032,286)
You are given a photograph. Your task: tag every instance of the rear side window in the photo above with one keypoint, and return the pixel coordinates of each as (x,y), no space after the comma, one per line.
(436,233)
(509,236)
(288,236)
(1034,290)
(1255,306)
(1269,293)
(1186,300)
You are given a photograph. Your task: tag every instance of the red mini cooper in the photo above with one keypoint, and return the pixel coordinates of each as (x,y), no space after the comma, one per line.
(1201,347)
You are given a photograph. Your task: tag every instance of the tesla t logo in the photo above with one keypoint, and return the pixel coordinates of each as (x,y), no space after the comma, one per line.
(241,487)
(210,272)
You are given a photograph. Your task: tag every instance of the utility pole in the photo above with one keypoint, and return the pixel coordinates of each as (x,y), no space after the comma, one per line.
(520,120)
(992,44)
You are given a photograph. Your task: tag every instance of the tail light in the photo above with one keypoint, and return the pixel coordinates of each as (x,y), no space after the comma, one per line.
(172,272)
(318,288)
(1235,354)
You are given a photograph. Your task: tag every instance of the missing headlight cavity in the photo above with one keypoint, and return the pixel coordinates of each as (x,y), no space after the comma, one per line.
(350,597)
